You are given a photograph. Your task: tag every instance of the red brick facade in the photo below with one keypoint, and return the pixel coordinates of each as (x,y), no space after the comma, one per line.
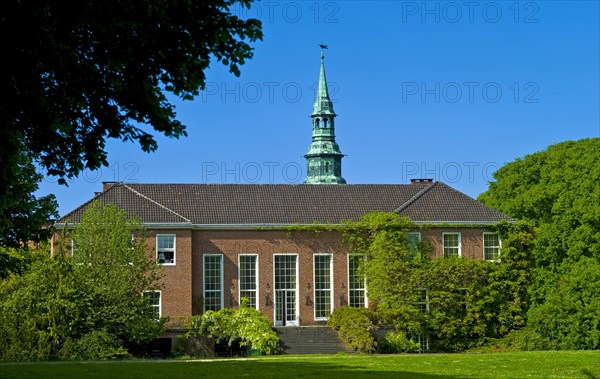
(182,286)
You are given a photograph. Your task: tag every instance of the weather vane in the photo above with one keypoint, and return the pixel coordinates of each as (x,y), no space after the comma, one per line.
(322,46)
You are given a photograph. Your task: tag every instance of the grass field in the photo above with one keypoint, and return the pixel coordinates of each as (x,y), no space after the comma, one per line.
(566,364)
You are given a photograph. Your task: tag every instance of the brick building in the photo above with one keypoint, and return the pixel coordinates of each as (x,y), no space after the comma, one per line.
(221,242)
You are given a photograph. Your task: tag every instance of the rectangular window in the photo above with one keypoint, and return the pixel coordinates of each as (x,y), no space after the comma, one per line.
(248,278)
(213,282)
(451,244)
(422,302)
(356,282)
(154,300)
(165,248)
(322,279)
(414,242)
(491,246)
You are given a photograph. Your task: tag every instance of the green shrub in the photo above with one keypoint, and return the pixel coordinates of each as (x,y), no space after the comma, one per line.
(245,325)
(96,345)
(396,342)
(354,327)
(570,316)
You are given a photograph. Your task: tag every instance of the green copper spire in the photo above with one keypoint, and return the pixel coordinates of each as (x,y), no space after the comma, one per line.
(324,158)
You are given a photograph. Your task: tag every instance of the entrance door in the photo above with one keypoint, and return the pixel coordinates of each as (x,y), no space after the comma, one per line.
(286,310)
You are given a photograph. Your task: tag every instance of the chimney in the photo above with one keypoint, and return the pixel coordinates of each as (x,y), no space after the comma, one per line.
(106,185)
(421,181)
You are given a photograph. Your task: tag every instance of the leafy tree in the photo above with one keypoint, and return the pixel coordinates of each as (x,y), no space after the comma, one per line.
(557,191)
(81,73)
(570,317)
(86,306)
(22,215)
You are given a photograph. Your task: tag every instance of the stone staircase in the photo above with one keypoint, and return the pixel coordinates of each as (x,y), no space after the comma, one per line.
(309,340)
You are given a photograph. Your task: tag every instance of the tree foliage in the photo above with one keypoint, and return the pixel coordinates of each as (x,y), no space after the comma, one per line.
(458,303)
(84,72)
(557,191)
(245,325)
(86,306)
(355,327)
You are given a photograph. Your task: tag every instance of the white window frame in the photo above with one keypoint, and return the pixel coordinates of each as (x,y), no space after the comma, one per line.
(297,290)
(426,302)
(348,277)
(159,292)
(167,250)
(204,290)
(330,285)
(484,246)
(256,277)
(459,243)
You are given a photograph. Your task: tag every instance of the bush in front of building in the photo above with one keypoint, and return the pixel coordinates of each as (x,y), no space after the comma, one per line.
(355,328)
(394,342)
(244,326)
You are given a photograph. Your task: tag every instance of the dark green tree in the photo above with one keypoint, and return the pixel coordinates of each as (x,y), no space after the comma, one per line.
(76,74)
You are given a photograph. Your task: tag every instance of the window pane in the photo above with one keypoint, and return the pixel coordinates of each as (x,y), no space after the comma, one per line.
(153,298)
(322,285)
(247,279)
(165,248)
(451,244)
(491,246)
(356,283)
(212,282)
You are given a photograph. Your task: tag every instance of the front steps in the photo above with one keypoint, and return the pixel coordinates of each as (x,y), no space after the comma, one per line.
(309,340)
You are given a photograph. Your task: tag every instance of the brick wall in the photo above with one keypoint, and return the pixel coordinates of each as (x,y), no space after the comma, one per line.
(181,286)
(176,285)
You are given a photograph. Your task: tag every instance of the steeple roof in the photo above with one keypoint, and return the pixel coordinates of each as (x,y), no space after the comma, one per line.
(323,104)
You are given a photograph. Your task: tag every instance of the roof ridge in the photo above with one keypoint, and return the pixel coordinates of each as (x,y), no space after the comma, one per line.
(155,202)
(415,197)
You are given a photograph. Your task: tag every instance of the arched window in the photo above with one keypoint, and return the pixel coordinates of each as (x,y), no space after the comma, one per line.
(317,122)
(327,167)
(325,123)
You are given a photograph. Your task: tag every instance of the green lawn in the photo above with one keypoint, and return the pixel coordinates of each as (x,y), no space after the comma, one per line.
(567,364)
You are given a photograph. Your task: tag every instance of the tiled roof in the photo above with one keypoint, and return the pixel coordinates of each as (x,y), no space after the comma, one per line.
(243,204)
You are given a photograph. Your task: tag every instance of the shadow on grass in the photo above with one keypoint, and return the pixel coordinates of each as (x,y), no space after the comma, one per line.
(261,368)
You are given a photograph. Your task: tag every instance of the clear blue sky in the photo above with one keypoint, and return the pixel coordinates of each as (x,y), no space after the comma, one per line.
(446,90)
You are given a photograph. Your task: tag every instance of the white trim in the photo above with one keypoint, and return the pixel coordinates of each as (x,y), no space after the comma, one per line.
(297,322)
(189,225)
(159,301)
(459,243)
(256,277)
(331,295)
(483,246)
(174,248)
(348,278)
(222,290)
